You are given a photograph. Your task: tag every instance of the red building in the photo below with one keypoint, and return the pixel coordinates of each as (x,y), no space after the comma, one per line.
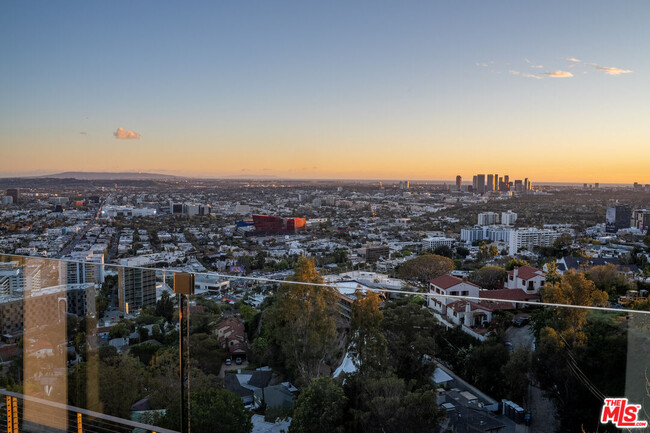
(274,224)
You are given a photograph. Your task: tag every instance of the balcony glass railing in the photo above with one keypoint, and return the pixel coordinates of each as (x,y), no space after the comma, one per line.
(98,347)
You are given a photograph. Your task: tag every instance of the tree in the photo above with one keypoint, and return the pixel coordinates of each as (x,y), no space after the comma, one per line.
(320,407)
(300,323)
(424,268)
(489,277)
(462,252)
(165,307)
(385,405)
(493,251)
(573,289)
(484,368)
(515,263)
(120,385)
(607,278)
(247,312)
(483,251)
(367,343)
(410,333)
(515,372)
(213,410)
(443,250)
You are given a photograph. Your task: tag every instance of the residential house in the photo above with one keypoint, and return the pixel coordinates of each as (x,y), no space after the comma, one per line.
(527,278)
(231,334)
(449,285)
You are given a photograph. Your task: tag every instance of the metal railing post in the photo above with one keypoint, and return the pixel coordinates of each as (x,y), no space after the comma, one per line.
(10,424)
(184,287)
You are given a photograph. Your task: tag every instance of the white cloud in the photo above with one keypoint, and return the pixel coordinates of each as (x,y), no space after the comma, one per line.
(537,77)
(574,60)
(126,134)
(612,71)
(482,64)
(559,74)
(511,72)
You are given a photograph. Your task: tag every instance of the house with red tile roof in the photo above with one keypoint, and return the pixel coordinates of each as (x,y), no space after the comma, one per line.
(526,278)
(473,315)
(448,285)
(231,334)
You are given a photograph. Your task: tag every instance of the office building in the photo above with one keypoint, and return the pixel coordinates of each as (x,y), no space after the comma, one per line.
(459,182)
(404,184)
(480,183)
(136,288)
(372,253)
(278,225)
(14,193)
(617,217)
(641,219)
(489,186)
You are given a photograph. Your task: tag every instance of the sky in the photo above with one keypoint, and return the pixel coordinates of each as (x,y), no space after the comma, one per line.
(554,91)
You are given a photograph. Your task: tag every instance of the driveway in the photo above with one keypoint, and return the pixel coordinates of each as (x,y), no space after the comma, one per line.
(520,336)
(233,367)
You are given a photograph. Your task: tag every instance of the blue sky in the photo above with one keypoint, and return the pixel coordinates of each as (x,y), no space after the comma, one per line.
(327,89)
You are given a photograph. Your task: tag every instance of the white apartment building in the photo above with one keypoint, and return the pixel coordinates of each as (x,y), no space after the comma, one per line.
(488,218)
(432,243)
(508,218)
(527,238)
(492,233)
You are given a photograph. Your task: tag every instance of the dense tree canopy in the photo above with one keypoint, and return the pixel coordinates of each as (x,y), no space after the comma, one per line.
(424,268)
(367,343)
(301,323)
(320,408)
(489,277)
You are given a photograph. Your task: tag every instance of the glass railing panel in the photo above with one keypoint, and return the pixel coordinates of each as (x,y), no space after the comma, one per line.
(117,348)
(72,346)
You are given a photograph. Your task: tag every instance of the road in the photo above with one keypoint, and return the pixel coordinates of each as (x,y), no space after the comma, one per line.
(67,250)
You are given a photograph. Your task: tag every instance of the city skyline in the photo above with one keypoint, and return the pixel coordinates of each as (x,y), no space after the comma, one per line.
(336,91)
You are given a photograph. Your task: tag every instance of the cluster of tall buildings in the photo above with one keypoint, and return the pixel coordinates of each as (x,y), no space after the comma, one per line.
(621,216)
(482,184)
(11,197)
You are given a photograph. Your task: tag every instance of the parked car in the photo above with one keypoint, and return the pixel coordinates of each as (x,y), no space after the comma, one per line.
(228,361)
(522,321)
(238,360)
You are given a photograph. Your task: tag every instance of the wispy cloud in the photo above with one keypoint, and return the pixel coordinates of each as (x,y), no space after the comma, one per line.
(559,74)
(482,64)
(524,74)
(83,133)
(126,134)
(574,60)
(612,71)
(533,65)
